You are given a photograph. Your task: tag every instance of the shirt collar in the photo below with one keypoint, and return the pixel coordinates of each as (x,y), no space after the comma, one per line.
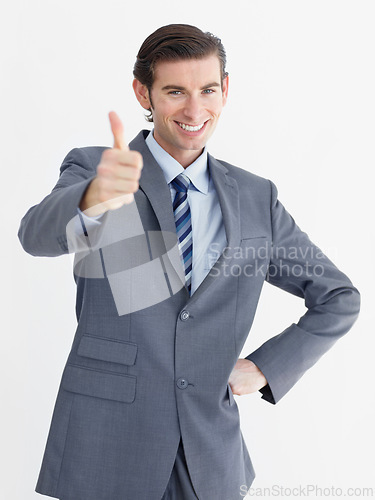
(197,171)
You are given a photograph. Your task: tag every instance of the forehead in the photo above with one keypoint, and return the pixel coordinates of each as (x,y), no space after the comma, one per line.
(188,72)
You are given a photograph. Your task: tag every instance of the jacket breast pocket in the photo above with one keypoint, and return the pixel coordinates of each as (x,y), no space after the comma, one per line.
(253,256)
(114,351)
(258,247)
(99,383)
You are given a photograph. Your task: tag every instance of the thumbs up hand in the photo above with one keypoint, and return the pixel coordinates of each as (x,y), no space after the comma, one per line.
(117,175)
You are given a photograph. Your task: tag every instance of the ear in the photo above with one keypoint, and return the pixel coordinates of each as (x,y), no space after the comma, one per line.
(225,89)
(141,93)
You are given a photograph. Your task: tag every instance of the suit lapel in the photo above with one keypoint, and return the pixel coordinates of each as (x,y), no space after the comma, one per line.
(152,183)
(227,191)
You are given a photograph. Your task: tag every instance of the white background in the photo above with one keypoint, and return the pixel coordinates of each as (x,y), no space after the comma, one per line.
(300,112)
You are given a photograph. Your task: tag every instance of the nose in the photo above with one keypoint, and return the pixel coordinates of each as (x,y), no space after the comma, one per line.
(193,109)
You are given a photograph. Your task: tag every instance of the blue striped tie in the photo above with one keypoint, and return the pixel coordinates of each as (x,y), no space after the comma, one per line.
(182,218)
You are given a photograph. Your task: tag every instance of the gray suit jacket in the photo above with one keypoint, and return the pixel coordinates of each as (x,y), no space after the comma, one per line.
(139,377)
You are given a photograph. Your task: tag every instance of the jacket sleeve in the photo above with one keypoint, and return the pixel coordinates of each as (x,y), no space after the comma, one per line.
(49,228)
(299,267)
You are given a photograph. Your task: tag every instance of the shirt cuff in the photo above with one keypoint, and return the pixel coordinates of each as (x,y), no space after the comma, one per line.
(84,222)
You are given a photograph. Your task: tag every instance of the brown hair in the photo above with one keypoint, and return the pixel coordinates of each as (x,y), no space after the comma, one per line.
(171,42)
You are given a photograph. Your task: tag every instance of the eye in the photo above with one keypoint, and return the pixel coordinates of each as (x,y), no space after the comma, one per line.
(175,92)
(208,91)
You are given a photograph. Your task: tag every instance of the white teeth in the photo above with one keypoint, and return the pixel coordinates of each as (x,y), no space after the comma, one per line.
(189,128)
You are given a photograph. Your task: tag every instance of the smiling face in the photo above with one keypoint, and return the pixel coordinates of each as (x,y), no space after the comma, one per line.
(187,98)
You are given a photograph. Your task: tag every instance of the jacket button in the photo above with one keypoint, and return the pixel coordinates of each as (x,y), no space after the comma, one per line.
(182,383)
(184,316)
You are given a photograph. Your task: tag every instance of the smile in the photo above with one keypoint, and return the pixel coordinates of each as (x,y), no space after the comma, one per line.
(190,128)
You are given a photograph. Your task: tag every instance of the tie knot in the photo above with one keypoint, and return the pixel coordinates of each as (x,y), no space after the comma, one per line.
(181,183)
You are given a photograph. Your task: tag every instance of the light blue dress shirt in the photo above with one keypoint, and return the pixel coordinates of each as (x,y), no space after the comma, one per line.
(208,233)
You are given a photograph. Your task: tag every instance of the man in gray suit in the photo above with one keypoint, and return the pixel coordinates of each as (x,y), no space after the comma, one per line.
(172,248)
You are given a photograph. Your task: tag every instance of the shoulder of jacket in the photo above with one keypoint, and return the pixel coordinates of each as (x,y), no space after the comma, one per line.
(93,151)
(243,176)
(88,156)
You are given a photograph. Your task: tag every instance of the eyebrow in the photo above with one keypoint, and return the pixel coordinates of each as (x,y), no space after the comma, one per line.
(178,87)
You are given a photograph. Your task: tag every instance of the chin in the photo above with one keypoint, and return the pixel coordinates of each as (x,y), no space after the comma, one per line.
(194,146)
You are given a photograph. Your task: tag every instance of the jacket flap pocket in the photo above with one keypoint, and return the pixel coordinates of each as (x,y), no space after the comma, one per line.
(115,351)
(99,384)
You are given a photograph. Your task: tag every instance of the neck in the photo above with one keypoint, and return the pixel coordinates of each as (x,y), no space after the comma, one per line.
(189,159)
(185,157)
